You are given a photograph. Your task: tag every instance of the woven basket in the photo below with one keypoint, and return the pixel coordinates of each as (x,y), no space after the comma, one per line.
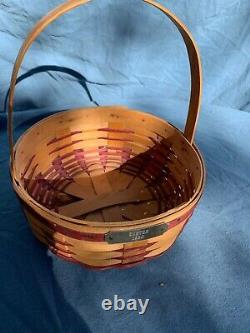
(108,186)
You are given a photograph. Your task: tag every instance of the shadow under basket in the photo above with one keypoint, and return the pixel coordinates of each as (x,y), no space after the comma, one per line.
(108,186)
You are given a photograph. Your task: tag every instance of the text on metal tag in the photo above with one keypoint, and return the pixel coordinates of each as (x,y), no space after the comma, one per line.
(114,237)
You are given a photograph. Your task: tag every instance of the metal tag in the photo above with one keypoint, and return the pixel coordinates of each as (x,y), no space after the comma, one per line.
(136,234)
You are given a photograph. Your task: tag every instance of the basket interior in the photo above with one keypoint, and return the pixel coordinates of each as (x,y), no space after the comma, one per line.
(107,164)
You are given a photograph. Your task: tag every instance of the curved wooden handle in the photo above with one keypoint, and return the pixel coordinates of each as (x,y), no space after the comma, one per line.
(194,59)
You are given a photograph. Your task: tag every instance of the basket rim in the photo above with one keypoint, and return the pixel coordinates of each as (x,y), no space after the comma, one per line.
(116,224)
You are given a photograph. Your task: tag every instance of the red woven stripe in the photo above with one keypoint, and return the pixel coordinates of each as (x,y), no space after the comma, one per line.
(181,219)
(27,166)
(63,137)
(65,146)
(116,130)
(93,237)
(114,139)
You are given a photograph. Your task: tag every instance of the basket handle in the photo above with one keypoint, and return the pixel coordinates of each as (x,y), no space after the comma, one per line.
(194,59)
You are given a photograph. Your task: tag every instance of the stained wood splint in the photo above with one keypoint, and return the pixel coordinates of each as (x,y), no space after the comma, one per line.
(108,186)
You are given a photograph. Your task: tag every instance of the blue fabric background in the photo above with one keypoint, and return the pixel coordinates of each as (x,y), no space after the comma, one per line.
(124,52)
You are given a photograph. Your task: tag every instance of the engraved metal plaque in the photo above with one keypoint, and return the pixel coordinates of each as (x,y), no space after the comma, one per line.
(136,234)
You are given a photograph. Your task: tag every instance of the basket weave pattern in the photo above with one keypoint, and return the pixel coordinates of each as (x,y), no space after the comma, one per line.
(108,186)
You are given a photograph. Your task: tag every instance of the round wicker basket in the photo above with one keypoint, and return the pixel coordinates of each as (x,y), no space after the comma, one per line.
(108,186)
